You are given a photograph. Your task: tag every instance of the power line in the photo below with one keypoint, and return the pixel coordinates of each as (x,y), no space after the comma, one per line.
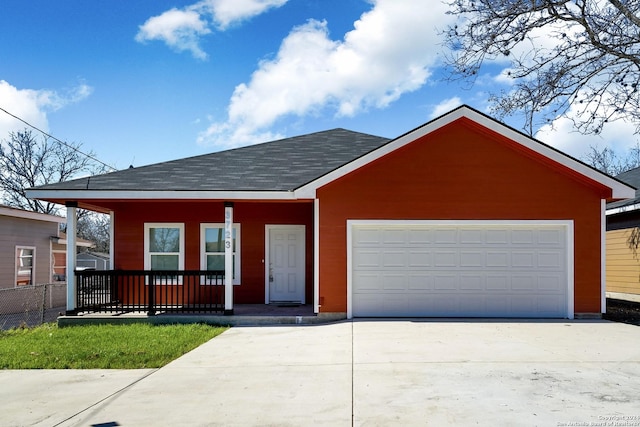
(59,140)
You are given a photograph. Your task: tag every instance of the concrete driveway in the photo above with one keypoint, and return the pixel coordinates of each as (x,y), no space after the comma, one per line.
(363,373)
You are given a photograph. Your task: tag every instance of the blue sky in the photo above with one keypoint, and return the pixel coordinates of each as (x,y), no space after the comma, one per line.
(145,81)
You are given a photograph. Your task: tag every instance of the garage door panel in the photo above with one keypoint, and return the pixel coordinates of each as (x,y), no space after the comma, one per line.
(394,258)
(420,236)
(471,237)
(550,283)
(445,282)
(523,283)
(523,259)
(440,306)
(367,282)
(498,259)
(368,303)
(472,259)
(472,282)
(445,259)
(526,306)
(551,238)
(419,258)
(420,282)
(497,304)
(549,306)
(550,259)
(367,237)
(394,237)
(394,282)
(498,282)
(366,258)
(446,236)
(497,237)
(522,237)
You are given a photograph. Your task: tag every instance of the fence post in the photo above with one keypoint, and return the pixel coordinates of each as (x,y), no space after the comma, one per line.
(152,296)
(43,306)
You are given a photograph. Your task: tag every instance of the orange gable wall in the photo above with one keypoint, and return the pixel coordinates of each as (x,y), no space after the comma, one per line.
(461,172)
(130,218)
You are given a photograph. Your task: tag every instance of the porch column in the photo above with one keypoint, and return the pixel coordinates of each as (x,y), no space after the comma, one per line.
(316,256)
(72,219)
(228,257)
(111,240)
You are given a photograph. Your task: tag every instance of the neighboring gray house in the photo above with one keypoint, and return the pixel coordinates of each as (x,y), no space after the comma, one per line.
(26,256)
(94,260)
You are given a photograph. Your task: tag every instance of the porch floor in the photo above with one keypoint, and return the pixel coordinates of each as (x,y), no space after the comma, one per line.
(243,314)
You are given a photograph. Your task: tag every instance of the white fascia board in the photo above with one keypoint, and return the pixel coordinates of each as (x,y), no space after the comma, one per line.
(623,209)
(78,243)
(619,190)
(151,195)
(19,213)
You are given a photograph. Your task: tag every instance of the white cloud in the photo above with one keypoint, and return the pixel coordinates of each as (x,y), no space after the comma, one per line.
(445,106)
(32,105)
(182,29)
(179,29)
(618,135)
(229,12)
(389,52)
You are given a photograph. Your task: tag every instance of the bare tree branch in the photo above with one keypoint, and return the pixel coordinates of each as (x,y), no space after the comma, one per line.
(26,162)
(560,54)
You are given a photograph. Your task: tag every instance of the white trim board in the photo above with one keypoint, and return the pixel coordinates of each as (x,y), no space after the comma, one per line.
(154,195)
(20,213)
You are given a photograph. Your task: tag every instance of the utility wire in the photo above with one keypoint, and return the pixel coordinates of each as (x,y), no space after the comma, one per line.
(58,140)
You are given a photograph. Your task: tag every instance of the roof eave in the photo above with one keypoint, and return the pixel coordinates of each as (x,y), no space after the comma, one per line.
(19,213)
(155,195)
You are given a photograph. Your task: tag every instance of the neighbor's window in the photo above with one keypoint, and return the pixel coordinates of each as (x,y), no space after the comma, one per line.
(212,248)
(25,260)
(164,246)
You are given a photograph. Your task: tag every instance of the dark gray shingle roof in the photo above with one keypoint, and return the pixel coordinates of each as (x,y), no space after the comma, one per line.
(631,177)
(281,165)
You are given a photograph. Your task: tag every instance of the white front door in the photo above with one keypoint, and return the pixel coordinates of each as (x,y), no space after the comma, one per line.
(285,263)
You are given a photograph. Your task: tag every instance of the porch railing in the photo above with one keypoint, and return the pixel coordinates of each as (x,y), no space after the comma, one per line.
(150,291)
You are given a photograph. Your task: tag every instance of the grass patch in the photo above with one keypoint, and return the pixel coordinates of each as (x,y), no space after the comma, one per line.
(133,346)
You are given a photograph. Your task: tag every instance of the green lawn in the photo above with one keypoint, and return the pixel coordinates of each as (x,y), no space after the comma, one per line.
(131,346)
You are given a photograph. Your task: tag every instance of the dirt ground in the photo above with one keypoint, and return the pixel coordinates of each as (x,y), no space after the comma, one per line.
(623,311)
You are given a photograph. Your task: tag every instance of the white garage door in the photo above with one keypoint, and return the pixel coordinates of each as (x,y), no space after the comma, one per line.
(460,269)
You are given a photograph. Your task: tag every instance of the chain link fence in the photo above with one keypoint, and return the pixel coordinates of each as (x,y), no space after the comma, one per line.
(31,305)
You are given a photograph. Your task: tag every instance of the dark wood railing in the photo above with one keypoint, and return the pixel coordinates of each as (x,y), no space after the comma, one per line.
(150,291)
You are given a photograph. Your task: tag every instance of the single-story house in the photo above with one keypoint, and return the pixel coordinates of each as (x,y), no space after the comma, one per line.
(462,216)
(26,255)
(94,260)
(59,249)
(623,243)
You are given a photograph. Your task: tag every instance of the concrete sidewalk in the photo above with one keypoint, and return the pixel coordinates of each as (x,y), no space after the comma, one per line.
(372,373)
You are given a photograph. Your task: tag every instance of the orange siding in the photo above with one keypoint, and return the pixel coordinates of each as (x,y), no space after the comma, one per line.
(253,216)
(623,264)
(60,263)
(461,172)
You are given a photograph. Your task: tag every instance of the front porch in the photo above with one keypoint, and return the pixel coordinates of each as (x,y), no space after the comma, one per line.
(161,297)
(244,315)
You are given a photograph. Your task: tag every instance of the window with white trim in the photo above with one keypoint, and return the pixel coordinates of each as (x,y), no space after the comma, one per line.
(212,248)
(25,261)
(164,246)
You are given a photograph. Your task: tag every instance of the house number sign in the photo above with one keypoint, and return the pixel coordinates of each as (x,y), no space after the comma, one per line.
(228,227)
